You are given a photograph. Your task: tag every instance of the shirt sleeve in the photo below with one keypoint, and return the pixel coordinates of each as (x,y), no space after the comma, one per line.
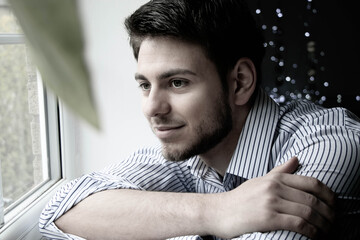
(142,171)
(328,149)
(332,155)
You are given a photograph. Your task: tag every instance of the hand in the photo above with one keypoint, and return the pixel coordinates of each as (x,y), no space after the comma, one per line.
(277,201)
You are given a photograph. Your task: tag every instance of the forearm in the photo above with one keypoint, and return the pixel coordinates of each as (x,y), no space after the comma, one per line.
(132,214)
(285,203)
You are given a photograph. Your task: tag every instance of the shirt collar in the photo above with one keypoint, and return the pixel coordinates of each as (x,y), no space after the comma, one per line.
(251,156)
(197,167)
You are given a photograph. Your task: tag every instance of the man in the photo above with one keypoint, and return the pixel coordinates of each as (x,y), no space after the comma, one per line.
(214,175)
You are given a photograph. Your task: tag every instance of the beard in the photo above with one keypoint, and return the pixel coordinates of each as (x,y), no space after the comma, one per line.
(214,126)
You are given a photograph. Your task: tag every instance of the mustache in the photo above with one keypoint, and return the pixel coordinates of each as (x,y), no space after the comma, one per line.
(165,121)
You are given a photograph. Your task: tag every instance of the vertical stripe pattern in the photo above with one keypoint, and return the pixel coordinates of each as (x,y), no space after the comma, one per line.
(326,141)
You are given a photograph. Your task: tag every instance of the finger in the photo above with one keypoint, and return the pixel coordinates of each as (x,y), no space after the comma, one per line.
(309,200)
(310,185)
(288,167)
(296,224)
(305,212)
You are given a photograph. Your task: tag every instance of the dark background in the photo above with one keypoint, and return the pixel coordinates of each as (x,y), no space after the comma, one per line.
(324,66)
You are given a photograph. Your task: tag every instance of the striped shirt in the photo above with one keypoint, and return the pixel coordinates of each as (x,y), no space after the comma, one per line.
(326,141)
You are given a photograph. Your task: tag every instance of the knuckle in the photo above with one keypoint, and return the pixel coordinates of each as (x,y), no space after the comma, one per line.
(276,176)
(311,200)
(332,199)
(307,213)
(312,231)
(316,183)
(270,202)
(272,185)
(269,216)
(302,226)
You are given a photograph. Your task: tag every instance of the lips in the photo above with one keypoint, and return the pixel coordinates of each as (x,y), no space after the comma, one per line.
(166,128)
(167,132)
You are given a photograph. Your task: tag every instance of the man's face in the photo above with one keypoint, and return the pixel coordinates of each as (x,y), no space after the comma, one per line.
(183,98)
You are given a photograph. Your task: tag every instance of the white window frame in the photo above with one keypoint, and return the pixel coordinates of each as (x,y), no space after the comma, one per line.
(24,225)
(59,137)
(22,217)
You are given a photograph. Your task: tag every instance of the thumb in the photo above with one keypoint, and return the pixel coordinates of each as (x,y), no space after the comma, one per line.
(288,167)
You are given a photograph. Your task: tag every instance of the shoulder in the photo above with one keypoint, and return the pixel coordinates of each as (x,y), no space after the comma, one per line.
(299,114)
(321,137)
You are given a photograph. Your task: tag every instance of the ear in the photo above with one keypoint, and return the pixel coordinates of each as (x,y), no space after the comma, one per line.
(242,81)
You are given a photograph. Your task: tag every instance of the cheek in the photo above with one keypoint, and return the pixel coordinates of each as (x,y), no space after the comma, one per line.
(195,107)
(143,102)
(143,108)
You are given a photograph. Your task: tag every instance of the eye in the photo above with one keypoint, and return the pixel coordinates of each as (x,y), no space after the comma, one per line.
(177,83)
(145,86)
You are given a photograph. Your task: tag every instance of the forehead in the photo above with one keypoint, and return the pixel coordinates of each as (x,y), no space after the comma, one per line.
(162,53)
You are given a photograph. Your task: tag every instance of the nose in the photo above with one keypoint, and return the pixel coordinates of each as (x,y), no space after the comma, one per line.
(156,103)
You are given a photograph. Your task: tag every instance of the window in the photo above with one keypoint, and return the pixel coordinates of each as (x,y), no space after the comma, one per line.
(29,126)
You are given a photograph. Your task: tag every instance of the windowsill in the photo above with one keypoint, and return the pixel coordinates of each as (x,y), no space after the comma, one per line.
(24,224)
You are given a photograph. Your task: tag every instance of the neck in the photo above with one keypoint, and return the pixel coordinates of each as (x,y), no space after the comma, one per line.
(219,157)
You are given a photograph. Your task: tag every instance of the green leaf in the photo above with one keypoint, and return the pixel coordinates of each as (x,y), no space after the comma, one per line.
(53,30)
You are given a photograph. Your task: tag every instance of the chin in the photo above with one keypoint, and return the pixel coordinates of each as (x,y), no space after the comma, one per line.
(175,153)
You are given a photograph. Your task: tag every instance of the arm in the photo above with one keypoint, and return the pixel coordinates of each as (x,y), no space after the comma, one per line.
(133,214)
(330,153)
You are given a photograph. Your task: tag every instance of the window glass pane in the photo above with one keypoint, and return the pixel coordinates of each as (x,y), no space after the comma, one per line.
(8,22)
(21,104)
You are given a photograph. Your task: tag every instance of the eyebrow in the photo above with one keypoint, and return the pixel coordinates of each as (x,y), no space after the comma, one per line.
(167,74)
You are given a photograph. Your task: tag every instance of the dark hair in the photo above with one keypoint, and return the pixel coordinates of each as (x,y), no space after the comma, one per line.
(225,29)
